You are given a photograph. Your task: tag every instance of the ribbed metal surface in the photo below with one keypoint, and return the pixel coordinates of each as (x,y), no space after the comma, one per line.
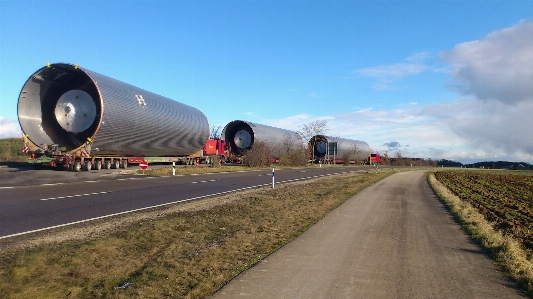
(343,146)
(129,120)
(242,135)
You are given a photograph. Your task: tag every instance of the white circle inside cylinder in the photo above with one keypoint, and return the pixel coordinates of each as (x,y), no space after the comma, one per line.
(242,139)
(75,111)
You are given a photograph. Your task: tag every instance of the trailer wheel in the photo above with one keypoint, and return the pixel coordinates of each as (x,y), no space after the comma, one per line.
(77,166)
(87,166)
(124,164)
(107,164)
(98,165)
(116,164)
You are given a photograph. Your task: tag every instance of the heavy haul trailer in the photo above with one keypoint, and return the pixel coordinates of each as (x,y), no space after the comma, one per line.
(74,118)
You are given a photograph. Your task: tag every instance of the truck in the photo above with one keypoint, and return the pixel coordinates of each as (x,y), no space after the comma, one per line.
(374,159)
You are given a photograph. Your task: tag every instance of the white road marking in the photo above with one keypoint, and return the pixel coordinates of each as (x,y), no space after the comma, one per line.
(77,195)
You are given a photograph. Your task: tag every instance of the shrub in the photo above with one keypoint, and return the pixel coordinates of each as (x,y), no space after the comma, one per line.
(345,159)
(11,150)
(259,156)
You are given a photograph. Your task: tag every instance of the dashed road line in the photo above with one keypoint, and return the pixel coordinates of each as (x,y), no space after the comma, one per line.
(76,195)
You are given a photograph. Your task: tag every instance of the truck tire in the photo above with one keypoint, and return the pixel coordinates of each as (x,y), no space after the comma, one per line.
(107,164)
(97,164)
(87,165)
(77,166)
(124,163)
(116,164)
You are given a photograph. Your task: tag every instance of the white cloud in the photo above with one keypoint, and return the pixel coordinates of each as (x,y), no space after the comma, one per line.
(497,67)
(496,72)
(9,128)
(494,127)
(395,71)
(386,74)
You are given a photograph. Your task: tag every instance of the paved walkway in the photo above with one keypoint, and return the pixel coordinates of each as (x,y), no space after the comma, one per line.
(393,240)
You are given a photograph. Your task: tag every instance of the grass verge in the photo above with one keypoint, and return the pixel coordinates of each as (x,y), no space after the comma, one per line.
(186,251)
(503,249)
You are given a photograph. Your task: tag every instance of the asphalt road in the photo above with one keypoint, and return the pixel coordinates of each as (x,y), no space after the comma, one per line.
(393,240)
(38,200)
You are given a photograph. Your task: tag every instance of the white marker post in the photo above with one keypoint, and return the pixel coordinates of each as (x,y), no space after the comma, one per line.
(173,168)
(273,178)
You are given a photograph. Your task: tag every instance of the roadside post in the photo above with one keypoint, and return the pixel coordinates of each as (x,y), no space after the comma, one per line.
(173,168)
(273,181)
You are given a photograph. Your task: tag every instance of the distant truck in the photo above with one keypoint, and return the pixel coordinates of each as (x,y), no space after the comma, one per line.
(374,159)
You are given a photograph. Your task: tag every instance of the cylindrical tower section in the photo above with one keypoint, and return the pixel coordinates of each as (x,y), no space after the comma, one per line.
(70,106)
(241,135)
(328,147)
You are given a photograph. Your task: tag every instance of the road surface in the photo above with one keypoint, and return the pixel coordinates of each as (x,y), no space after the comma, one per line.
(59,199)
(393,240)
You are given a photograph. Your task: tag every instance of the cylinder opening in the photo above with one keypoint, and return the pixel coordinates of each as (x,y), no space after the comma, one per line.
(319,144)
(59,104)
(240,136)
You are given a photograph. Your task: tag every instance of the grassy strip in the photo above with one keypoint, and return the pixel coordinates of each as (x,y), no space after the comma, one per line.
(163,171)
(505,250)
(185,254)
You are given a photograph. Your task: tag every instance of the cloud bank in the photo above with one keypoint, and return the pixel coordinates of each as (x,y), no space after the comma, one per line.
(498,67)
(495,74)
(9,128)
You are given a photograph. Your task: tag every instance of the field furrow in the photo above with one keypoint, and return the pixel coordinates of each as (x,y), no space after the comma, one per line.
(505,199)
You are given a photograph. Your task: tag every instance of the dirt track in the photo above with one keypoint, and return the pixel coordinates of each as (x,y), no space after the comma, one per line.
(393,240)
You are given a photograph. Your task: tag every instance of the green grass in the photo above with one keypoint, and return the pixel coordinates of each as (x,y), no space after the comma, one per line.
(189,251)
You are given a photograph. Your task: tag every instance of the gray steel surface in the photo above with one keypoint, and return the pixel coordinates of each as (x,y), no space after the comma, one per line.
(243,134)
(128,120)
(343,146)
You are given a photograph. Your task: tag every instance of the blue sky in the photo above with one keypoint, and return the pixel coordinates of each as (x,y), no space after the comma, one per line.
(432,79)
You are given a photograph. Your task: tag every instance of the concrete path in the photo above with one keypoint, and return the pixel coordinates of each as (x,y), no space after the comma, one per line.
(393,240)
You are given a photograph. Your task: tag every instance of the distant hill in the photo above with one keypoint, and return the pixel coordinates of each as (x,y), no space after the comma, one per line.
(488,165)
(501,165)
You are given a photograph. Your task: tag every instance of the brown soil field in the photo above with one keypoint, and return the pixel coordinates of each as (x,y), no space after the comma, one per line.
(504,198)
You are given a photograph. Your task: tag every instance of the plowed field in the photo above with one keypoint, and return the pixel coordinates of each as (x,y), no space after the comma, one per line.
(505,199)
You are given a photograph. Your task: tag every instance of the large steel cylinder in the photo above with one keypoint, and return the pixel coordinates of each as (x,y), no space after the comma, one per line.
(71,106)
(241,135)
(323,147)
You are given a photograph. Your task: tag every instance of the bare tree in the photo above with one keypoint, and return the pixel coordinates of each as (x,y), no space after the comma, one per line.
(258,156)
(310,130)
(385,160)
(216,132)
(399,158)
(354,150)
